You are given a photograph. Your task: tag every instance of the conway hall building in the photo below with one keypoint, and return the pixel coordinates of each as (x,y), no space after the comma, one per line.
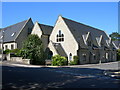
(70,38)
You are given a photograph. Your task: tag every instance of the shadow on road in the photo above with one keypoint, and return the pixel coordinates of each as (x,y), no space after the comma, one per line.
(49,77)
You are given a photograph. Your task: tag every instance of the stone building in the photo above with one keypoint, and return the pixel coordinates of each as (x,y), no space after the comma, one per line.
(43,31)
(13,36)
(70,38)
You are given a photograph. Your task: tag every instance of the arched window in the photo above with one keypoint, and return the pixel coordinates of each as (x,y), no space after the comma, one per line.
(59,33)
(70,56)
(60,37)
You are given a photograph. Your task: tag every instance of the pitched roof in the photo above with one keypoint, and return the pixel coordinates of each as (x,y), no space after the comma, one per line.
(11,32)
(117,44)
(79,29)
(60,49)
(46,29)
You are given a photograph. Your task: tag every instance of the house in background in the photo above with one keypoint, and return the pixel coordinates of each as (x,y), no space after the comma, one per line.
(70,38)
(43,31)
(14,35)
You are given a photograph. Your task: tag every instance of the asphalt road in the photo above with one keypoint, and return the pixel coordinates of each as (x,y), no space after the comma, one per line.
(60,77)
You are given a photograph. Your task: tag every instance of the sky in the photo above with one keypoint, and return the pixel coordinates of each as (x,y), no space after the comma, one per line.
(101,15)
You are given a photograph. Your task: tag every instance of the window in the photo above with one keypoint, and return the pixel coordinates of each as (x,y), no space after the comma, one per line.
(84,57)
(12,46)
(106,55)
(57,40)
(70,56)
(60,37)
(59,33)
(94,56)
(6,47)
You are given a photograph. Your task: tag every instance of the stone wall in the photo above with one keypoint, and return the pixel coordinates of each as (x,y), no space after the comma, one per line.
(20,60)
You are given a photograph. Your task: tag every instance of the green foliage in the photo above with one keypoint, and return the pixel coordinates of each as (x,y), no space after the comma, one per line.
(75,61)
(7,51)
(33,50)
(0,51)
(58,60)
(115,36)
(16,52)
(118,54)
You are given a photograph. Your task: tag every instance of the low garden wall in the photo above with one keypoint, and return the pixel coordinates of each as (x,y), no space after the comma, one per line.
(20,60)
(48,62)
(5,56)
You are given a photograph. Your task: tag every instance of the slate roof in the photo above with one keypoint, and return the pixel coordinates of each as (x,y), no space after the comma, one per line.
(59,49)
(80,30)
(117,44)
(46,29)
(11,32)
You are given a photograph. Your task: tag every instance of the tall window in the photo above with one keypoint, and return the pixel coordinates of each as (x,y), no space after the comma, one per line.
(70,56)
(94,56)
(59,33)
(60,37)
(84,57)
(106,55)
(6,47)
(12,46)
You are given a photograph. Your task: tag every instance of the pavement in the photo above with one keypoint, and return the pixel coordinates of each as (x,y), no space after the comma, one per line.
(103,66)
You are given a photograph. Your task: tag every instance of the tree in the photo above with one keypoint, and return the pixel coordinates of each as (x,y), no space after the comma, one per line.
(33,49)
(115,36)
(118,54)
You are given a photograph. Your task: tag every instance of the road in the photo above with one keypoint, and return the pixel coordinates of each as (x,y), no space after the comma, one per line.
(55,77)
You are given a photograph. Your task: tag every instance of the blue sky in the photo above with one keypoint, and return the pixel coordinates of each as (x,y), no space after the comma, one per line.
(101,15)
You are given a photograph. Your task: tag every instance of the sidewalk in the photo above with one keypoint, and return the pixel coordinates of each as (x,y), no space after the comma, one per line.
(105,66)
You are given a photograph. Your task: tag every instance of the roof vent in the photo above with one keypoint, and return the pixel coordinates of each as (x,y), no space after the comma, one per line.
(13,34)
(1,37)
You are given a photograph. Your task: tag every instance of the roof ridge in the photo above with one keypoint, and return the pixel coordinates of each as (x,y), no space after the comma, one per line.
(83,24)
(45,25)
(14,24)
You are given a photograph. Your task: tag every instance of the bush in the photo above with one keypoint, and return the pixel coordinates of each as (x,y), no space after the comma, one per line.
(75,61)
(58,60)
(118,54)
(7,51)
(15,52)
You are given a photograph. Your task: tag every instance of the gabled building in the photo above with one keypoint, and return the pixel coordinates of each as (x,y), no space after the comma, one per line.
(70,38)
(43,31)
(14,35)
